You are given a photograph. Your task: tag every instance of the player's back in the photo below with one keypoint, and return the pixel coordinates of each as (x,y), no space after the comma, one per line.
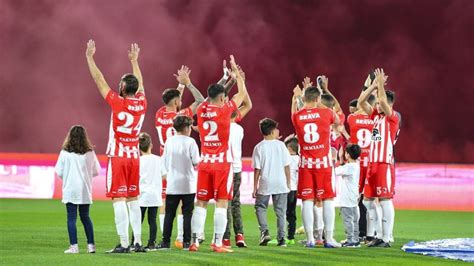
(127,118)
(383,137)
(214,129)
(360,130)
(313,127)
(164,124)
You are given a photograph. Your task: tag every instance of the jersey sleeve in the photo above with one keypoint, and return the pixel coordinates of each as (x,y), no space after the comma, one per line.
(256,163)
(187,112)
(114,100)
(231,106)
(59,168)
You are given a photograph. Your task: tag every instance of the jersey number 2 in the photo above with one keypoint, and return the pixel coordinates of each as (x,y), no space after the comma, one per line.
(212,127)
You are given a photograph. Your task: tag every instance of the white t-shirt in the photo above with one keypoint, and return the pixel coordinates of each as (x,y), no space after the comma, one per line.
(76,171)
(294,163)
(235,139)
(349,192)
(271,157)
(180,158)
(151,171)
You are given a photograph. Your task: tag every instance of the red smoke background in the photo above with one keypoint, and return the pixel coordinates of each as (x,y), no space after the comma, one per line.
(425,47)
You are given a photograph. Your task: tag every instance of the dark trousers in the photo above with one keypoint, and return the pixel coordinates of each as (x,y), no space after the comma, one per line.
(152,212)
(291,214)
(85,219)
(234,215)
(362,218)
(172,202)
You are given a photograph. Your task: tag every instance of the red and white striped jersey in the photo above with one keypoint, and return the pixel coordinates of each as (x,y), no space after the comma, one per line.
(313,127)
(383,137)
(125,123)
(214,128)
(360,130)
(164,123)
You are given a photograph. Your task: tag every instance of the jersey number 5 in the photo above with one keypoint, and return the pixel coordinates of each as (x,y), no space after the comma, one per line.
(311,133)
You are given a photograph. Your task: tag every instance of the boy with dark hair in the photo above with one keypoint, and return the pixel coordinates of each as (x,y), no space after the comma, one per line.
(349,195)
(151,172)
(271,163)
(291,144)
(180,158)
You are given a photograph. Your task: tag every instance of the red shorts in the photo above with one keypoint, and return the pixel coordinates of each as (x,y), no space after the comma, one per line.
(123,177)
(380,181)
(163,189)
(362,177)
(214,183)
(316,184)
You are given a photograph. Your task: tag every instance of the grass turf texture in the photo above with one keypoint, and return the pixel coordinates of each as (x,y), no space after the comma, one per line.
(34,232)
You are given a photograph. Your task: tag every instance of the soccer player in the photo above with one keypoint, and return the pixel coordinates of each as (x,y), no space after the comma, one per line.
(272,178)
(164,126)
(236,136)
(360,128)
(381,173)
(180,158)
(312,125)
(123,166)
(151,173)
(213,118)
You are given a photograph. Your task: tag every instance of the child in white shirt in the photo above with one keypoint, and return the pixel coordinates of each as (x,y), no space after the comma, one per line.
(76,166)
(349,195)
(151,172)
(271,163)
(291,144)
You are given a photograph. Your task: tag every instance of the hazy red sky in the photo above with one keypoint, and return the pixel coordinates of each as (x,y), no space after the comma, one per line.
(424,46)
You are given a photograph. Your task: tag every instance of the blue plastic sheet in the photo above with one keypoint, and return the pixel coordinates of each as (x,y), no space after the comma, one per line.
(455,248)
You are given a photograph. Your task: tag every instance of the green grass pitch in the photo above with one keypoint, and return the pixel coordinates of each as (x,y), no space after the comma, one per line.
(34,232)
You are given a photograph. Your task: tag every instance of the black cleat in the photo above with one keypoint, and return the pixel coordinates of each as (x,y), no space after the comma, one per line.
(186,246)
(151,246)
(138,248)
(264,238)
(163,246)
(378,243)
(119,249)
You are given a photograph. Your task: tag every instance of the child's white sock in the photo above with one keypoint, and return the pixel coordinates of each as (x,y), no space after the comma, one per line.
(121,221)
(329,215)
(388,219)
(220,223)
(308,219)
(197,222)
(180,227)
(135,220)
(162,222)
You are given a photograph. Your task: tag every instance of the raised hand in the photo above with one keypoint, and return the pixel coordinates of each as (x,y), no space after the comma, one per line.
(225,69)
(133,52)
(297,92)
(307,83)
(90,51)
(380,76)
(325,82)
(183,75)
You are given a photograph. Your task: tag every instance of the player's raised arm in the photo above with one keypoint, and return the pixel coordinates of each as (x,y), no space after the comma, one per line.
(183,78)
(94,70)
(296,102)
(133,56)
(247,103)
(325,88)
(364,96)
(242,89)
(226,75)
(380,79)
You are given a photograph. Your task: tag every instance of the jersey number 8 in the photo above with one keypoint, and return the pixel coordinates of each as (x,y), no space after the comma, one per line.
(311,133)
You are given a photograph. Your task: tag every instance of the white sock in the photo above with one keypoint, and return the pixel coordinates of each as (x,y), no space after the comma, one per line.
(197,222)
(308,219)
(318,222)
(162,222)
(180,227)
(371,217)
(388,219)
(378,220)
(220,223)
(135,220)
(121,222)
(329,215)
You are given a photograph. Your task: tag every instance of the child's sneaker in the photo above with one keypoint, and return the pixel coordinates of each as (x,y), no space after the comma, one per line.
(240,241)
(193,247)
(309,244)
(226,243)
(273,242)
(281,242)
(73,249)
(264,238)
(221,249)
(90,248)
(290,242)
